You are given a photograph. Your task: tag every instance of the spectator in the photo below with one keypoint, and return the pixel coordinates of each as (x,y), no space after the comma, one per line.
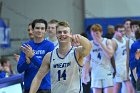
(32,54)
(31,36)
(135,58)
(7,67)
(2,72)
(110,32)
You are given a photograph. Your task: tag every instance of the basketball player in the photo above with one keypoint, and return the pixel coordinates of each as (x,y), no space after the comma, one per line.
(121,48)
(64,62)
(100,55)
(51,32)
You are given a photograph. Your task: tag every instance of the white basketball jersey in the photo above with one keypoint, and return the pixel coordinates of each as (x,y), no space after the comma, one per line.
(120,56)
(65,74)
(101,65)
(120,53)
(54,42)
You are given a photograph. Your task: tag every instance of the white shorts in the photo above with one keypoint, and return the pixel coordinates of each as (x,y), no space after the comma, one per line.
(121,74)
(119,77)
(102,83)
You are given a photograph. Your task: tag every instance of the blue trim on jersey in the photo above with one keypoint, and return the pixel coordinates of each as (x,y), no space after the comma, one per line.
(56,45)
(76,58)
(80,81)
(65,55)
(96,43)
(51,57)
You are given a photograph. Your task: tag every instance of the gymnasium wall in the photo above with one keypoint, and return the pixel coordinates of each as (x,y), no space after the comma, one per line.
(110,12)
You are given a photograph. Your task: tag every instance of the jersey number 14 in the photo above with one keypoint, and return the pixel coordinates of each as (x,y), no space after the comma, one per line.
(61,74)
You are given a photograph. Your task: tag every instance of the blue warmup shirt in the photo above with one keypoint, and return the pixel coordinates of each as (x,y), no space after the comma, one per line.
(30,70)
(2,74)
(132,61)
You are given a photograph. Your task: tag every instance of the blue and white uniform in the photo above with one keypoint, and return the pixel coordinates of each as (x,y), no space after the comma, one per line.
(65,74)
(120,57)
(101,73)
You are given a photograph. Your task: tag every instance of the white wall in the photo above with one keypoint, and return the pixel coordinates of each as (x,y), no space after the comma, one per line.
(112,8)
(22,12)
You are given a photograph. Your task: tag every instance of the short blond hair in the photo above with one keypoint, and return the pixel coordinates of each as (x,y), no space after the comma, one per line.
(64,24)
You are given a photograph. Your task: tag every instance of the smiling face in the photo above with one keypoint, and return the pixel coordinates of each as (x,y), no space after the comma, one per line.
(39,30)
(63,33)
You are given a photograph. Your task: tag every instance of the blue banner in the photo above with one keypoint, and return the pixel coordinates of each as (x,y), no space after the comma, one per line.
(4,34)
(105,22)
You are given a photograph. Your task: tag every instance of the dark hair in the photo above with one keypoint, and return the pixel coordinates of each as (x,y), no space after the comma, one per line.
(39,21)
(137,34)
(128,19)
(118,26)
(135,22)
(30,24)
(3,60)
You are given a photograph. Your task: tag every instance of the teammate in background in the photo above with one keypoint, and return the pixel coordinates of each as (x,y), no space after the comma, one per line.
(121,48)
(110,32)
(99,58)
(64,62)
(135,58)
(31,36)
(32,55)
(135,25)
(51,31)
(128,32)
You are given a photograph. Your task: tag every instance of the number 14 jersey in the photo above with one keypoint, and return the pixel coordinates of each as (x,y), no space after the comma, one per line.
(65,73)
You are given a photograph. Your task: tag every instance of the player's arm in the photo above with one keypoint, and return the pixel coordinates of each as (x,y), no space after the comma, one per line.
(22,64)
(86,68)
(108,48)
(114,44)
(127,61)
(41,73)
(84,48)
